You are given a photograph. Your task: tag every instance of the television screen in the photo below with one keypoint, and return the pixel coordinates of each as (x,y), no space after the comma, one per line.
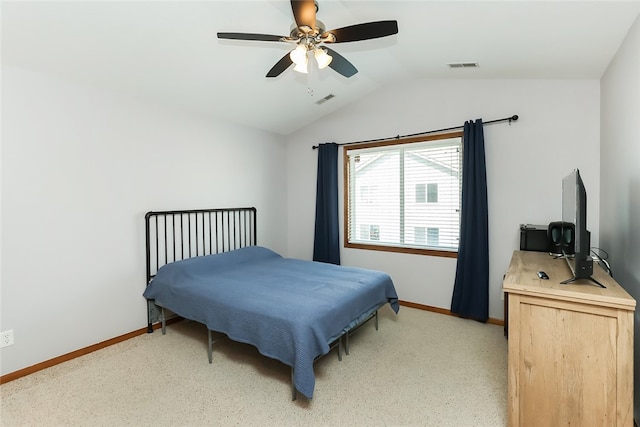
(574,218)
(570,215)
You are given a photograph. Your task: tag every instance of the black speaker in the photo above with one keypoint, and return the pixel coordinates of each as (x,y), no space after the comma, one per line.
(562,238)
(534,238)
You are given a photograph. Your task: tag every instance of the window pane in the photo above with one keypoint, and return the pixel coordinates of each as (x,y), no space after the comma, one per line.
(433,236)
(379,171)
(432,192)
(421,193)
(374,232)
(364,232)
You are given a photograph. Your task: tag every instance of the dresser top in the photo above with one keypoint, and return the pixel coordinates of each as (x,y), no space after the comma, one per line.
(522,278)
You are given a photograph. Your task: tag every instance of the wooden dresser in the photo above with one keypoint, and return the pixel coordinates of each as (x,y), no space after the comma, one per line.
(570,346)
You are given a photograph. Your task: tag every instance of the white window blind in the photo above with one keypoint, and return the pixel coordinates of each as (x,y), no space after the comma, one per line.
(405,176)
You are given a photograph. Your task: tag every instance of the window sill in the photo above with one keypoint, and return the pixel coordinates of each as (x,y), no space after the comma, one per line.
(415,251)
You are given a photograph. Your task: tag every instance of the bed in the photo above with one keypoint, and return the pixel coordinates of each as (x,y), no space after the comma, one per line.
(205,266)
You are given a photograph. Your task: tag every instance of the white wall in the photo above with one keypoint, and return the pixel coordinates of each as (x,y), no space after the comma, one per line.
(620,175)
(558,131)
(79,170)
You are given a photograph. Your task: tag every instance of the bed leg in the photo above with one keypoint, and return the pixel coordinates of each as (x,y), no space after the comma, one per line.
(210,346)
(150,318)
(346,343)
(293,387)
(376,316)
(163,320)
(340,349)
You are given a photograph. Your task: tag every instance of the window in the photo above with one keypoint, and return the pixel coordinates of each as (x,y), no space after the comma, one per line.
(374,232)
(369,232)
(433,236)
(410,189)
(427,193)
(368,193)
(429,236)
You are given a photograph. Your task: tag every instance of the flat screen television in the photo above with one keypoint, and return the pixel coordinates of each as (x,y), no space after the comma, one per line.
(574,221)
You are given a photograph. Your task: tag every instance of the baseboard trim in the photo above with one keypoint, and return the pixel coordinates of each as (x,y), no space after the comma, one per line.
(95,347)
(81,352)
(491,320)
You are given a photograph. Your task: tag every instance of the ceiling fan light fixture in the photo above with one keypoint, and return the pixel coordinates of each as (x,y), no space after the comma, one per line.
(309,33)
(301,68)
(299,55)
(322,57)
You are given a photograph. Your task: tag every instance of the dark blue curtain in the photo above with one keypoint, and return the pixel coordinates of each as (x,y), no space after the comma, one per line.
(326,242)
(471,288)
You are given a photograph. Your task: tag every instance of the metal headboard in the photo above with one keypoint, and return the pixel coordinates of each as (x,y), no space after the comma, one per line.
(177,235)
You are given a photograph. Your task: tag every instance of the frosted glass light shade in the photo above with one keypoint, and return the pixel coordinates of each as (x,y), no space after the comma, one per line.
(299,55)
(301,68)
(322,57)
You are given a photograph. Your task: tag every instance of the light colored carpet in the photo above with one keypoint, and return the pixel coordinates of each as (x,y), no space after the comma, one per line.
(419,369)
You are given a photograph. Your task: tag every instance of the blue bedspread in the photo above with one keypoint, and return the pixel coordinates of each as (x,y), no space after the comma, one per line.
(288,308)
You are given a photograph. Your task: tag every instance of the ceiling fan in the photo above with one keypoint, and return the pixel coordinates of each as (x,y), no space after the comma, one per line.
(310,35)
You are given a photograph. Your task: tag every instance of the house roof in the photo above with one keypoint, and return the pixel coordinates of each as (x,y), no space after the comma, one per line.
(375,159)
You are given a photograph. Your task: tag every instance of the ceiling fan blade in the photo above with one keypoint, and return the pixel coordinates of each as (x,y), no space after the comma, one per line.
(247,36)
(280,66)
(366,31)
(340,64)
(304,13)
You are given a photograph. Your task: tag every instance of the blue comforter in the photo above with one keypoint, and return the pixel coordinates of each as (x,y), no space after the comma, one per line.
(289,309)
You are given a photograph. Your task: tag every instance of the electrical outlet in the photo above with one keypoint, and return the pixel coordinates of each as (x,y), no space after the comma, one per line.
(6,338)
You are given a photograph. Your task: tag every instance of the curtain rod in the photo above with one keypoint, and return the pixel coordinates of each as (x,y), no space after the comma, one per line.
(509,119)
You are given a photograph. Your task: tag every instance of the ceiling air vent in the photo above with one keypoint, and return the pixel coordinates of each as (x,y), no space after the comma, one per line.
(325,99)
(463,65)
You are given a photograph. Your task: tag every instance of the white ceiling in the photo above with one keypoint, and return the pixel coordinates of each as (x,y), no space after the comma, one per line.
(168,52)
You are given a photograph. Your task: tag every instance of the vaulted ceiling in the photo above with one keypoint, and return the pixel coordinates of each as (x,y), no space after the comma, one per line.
(168,52)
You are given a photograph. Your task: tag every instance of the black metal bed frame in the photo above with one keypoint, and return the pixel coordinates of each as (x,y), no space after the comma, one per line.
(177,235)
